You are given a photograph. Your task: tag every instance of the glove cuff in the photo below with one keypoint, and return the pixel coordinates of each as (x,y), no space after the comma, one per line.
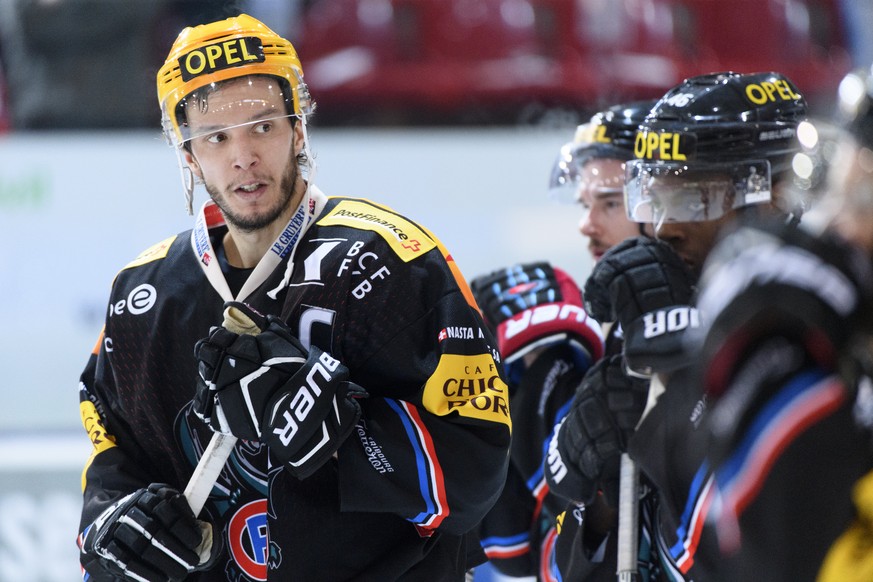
(548,324)
(563,474)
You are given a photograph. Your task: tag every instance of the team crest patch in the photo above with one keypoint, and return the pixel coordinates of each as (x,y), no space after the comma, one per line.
(407,240)
(249,540)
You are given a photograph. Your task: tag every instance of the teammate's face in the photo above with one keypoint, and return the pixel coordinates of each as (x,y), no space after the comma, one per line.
(601,194)
(693,241)
(244,154)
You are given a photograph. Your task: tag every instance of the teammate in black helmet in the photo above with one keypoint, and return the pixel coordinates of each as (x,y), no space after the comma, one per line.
(712,147)
(785,355)
(710,155)
(548,345)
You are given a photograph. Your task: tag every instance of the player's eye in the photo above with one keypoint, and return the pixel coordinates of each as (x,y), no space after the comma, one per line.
(264,127)
(216,137)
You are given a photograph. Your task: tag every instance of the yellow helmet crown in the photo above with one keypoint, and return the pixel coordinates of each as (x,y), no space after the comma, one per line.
(222,50)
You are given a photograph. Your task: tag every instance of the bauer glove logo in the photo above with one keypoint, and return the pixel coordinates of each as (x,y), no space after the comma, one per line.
(657,323)
(303,401)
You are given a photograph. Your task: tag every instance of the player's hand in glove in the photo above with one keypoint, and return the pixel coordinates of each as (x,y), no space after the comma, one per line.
(269,387)
(584,454)
(533,305)
(642,284)
(150,535)
(775,300)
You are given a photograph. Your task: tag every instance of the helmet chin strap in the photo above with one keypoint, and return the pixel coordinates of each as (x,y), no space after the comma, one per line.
(310,161)
(187,182)
(307,196)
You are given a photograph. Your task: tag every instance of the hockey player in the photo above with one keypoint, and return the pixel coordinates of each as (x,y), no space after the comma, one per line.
(547,342)
(371,411)
(708,152)
(546,365)
(590,171)
(785,364)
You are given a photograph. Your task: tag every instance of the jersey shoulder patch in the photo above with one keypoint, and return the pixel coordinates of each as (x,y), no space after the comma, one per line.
(153,253)
(406,238)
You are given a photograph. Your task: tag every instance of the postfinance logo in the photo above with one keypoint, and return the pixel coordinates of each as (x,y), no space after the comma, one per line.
(407,239)
(470,386)
(221,55)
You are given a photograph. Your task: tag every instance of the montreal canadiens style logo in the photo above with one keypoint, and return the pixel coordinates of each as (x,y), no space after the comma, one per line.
(249,540)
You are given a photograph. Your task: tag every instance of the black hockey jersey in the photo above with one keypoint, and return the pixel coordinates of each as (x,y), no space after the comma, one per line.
(380,293)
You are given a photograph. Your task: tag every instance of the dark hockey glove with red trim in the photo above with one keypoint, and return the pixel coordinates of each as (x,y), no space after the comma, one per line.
(269,387)
(584,454)
(151,535)
(533,305)
(642,284)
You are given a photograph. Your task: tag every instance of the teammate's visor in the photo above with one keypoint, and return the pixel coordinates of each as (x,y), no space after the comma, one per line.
(658,192)
(571,170)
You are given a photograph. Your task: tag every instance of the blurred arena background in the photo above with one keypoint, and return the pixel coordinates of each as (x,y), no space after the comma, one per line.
(451,111)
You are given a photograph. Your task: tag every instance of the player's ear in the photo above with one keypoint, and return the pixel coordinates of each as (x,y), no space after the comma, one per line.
(192,163)
(298,137)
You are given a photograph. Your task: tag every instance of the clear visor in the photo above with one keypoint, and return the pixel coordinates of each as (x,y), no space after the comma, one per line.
(221,107)
(580,169)
(658,192)
(563,181)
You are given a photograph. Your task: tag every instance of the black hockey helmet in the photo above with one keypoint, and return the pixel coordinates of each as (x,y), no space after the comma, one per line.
(608,134)
(712,143)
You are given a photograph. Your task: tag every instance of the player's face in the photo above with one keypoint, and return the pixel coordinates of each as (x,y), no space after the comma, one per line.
(682,209)
(693,241)
(245,154)
(601,194)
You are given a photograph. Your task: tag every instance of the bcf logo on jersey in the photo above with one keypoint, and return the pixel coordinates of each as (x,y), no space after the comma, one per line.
(249,539)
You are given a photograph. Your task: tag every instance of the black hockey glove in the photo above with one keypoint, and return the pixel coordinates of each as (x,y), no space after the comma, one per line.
(151,535)
(585,452)
(775,300)
(533,305)
(642,284)
(269,387)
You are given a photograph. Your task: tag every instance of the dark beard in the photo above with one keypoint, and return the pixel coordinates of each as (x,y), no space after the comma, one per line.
(268,217)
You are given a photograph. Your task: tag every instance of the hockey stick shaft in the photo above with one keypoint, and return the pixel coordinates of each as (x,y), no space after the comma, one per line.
(628,519)
(629,500)
(208,469)
(221,445)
